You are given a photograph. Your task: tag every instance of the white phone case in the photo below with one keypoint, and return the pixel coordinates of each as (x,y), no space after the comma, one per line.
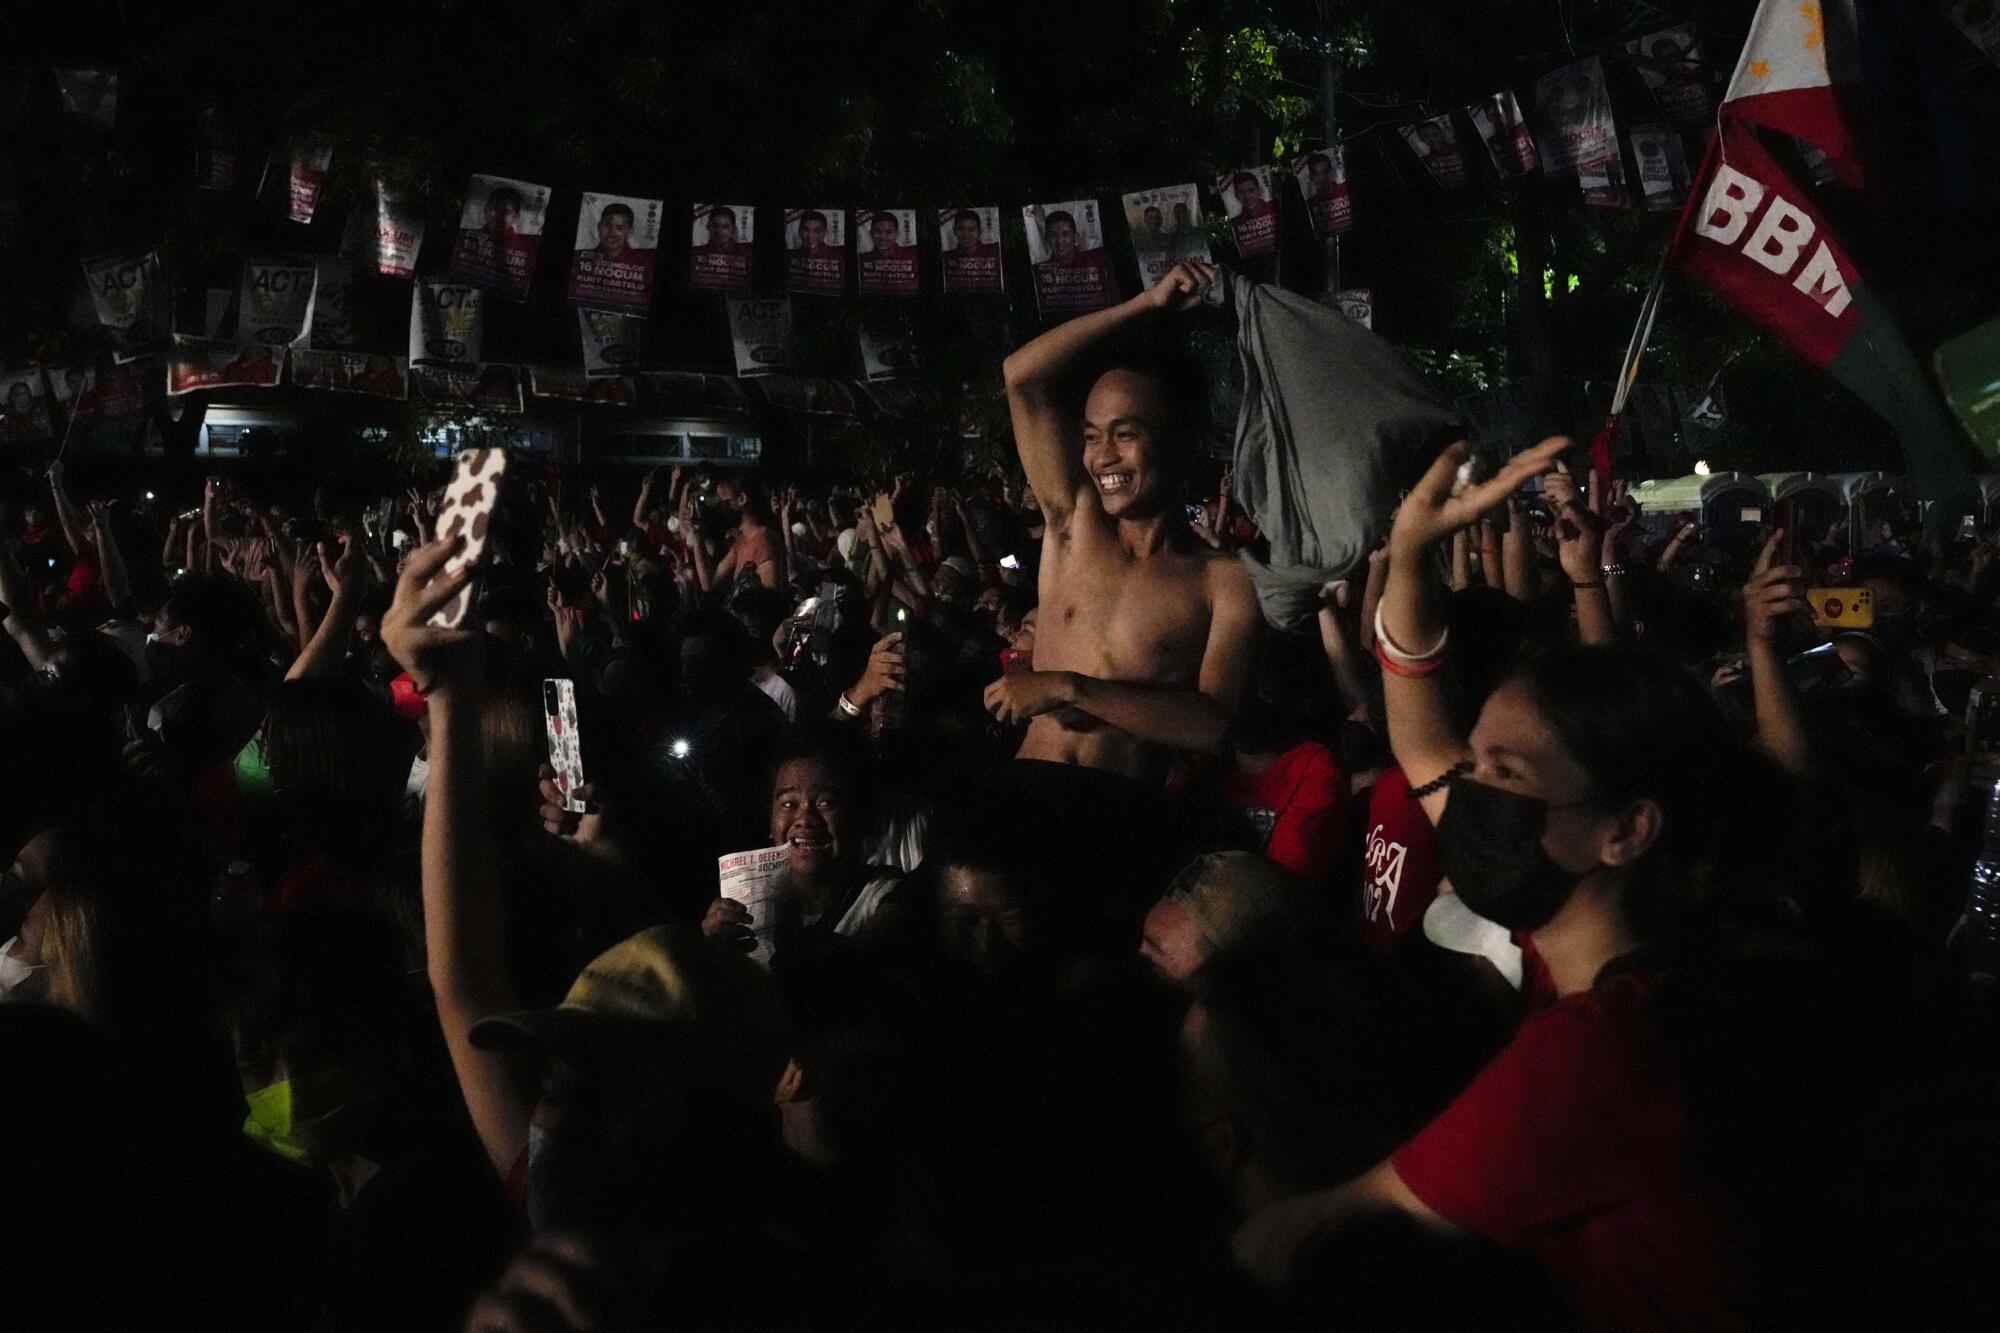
(468,511)
(565,742)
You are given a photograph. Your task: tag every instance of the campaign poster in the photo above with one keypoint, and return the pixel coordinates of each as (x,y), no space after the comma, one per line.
(761,332)
(385,235)
(132,299)
(332,327)
(572,385)
(1066,248)
(1435,142)
(89,393)
(206,363)
(885,252)
(1251,206)
(610,342)
(1357,303)
(488,388)
(1165,224)
(1663,174)
(888,346)
(720,246)
(350,372)
(24,408)
(816,251)
(1979,20)
(219,159)
(1670,63)
(1579,133)
(1322,177)
(617,244)
(276,300)
(309,160)
(446,323)
(969,250)
(500,235)
(1504,131)
(91,94)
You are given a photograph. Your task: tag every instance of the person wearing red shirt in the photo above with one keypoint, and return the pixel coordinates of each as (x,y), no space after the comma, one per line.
(1577,811)
(1296,799)
(1399,863)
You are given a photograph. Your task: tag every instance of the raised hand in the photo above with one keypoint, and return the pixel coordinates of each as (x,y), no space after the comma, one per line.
(434,656)
(1183,286)
(1772,593)
(1430,513)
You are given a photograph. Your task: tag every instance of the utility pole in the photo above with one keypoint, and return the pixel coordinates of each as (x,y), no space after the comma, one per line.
(1329,110)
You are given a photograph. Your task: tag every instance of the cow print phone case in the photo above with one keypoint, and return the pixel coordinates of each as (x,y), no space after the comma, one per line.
(565,742)
(468,512)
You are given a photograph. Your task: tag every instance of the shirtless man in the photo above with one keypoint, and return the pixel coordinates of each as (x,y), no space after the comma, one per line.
(1145,634)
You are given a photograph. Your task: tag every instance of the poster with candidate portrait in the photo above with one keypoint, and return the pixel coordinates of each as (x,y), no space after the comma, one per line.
(1663,173)
(332,326)
(349,372)
(1578,131)
(1670,64)
(133,301)
(1066,248)
(88,394)
(761,333)
(1166,228)
(885,251)
(307,161)
(275,300)
(969,250)
(720,247)
(816,251)
(493,388)
(500,235)
(196,364)
(24,408)
(610,342)
(617,244)
(1504,131)
(1322,178)
(385,234)
(447,321)
(1435,142)
(1250,203)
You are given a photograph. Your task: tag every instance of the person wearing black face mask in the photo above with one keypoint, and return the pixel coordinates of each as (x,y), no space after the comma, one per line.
(1575,811)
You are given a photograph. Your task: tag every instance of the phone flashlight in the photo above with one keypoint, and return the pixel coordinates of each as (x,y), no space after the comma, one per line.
(902,613)
(680,749)
(1009,562)
(149,495)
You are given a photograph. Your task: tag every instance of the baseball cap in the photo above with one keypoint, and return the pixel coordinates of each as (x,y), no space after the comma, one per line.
(1230,894)
(667,986)
(962,567)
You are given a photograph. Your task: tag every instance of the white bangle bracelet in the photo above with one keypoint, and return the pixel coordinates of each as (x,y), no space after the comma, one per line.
(1391,651)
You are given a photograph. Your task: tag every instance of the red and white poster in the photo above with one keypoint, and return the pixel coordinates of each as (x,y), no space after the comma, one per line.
(500,235)
(573,385)
(489,388)
(1435,142)
(617,244)
(24,408)
(1663,175)
(1579,133)
(386,234)
(969,250)
(1322,177)
(1979,20)
(275,302)
(447,321)
(1670,63)
(1165,224)
(205,363)
(816,251)
(219,159)
(132,299)
(721,244)
(91,393)
(1504,131)
(1066,247)
(885,252)
(761,333)
(350,372)
(308,161)
(610,342)
(1251,206)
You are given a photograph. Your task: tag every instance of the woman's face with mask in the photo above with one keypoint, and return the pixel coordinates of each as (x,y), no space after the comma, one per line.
(1514,749)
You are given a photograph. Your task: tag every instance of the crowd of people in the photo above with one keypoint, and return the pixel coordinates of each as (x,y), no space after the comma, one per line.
(1554,940)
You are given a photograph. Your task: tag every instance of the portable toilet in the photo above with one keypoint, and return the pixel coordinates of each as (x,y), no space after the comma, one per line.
(1817,498)
(1731,507)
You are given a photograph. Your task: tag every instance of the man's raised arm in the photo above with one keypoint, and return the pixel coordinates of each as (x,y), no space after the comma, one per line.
(1045,435)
